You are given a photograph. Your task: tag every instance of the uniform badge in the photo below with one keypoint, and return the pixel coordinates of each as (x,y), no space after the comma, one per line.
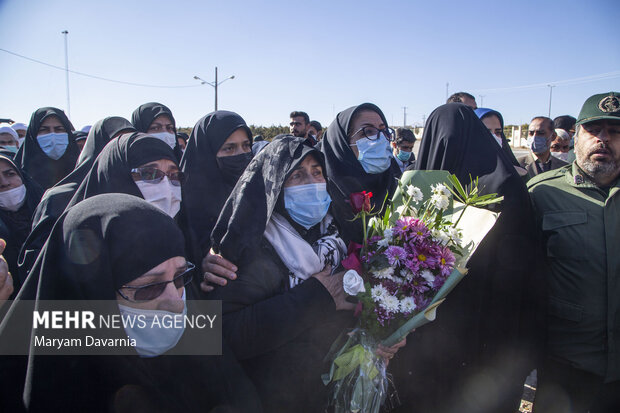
(578,179)
(609,104)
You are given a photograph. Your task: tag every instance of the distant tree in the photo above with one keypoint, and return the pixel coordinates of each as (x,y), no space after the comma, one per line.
(187,130)
(269,132)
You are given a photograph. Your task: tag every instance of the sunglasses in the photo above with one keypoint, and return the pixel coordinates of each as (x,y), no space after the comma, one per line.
(154,175)
(152,291)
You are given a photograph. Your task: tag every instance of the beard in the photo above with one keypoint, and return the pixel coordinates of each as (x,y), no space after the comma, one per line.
(596,169)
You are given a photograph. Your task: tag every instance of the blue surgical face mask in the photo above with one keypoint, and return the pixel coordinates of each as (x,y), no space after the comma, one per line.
(10,148)
(538,144)
(154,339)
(374,155)
(307,204)
(403,155)
(54,144)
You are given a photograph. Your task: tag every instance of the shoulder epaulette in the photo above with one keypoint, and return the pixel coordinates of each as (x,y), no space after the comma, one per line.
(549,175)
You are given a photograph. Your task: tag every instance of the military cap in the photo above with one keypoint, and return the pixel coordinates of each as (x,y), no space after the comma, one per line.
(601,106)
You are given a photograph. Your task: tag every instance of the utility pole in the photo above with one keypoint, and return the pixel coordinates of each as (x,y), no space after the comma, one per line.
(404,116)
(550,95)
(65,32)
(215,83)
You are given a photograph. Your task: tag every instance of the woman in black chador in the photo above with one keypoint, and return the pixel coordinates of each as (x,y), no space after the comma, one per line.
(121,249)
(55,199)
(358,158)
(476,355)
(19,196)
(49,151)
(218,151)
(157,120)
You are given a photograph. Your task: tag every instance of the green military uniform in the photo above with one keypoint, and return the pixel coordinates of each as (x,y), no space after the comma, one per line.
(580,226)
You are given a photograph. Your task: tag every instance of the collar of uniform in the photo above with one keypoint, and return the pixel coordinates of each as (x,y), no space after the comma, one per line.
(577,178)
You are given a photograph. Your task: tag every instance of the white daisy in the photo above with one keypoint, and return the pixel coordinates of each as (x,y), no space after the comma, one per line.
(390,303)
(407,305)
(384,273)
(415,193)
(378,292)
(428,276)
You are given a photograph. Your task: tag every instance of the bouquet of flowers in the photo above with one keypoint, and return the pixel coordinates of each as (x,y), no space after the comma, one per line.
(410,259)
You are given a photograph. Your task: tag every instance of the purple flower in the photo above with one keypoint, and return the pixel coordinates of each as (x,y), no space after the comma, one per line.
(395,255)
(446,261)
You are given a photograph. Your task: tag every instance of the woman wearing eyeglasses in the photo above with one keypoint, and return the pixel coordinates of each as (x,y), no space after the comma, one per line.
(136,164)
(131,255)
(55,199)
(358,158)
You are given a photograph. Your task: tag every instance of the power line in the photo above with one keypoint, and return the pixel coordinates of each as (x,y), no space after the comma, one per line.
(577,80)
(97,77)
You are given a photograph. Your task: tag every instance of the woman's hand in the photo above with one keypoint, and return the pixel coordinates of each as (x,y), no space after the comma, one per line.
(389,352)
(333,284)
(6,281)
(216,270)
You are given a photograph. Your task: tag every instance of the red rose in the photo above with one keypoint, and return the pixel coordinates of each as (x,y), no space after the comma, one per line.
(360,201)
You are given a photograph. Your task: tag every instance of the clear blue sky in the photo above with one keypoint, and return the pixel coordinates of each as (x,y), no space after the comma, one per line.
(320,56)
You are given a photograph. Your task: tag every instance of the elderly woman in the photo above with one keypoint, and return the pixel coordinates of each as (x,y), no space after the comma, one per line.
(130,254)
(283,311)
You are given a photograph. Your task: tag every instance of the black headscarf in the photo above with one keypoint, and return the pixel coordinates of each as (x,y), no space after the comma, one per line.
(111,171)
(56,199)
(487,324)
(247,211)
(483,113)
(207,188)
(15,225)
(96,247)
(34,162)
(345,174)
(142,118)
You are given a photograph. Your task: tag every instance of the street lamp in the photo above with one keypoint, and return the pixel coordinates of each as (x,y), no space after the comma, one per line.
(215,84)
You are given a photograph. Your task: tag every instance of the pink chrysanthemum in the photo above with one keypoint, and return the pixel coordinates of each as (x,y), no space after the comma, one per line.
(395,255)
(446,261)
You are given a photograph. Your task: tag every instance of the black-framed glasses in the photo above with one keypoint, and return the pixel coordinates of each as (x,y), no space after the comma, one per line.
(372,133)
(154,175)
(152,291)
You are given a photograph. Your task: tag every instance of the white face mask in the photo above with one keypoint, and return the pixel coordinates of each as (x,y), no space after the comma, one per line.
(561,155)
(169,138)
(163,195)
(13,199)
(153,340)
(498,139)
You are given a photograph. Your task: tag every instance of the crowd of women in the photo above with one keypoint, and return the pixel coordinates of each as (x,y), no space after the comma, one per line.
(125,219)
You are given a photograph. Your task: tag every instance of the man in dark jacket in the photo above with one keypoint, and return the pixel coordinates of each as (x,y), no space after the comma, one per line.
(540,135)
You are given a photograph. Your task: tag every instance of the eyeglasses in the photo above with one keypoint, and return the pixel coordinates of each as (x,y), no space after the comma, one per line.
(154,175)
(372,133)
(152,291)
